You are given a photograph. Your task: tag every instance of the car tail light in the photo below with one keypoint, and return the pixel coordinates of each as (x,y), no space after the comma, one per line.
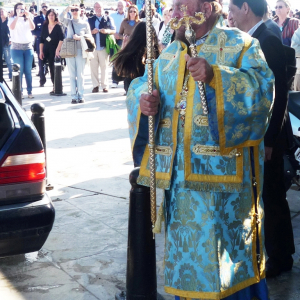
(23,168)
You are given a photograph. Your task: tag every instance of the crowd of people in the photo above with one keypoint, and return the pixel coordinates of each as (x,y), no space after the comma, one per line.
(26,30)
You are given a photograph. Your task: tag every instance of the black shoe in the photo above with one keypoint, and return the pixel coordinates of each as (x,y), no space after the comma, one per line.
(42,84)
(74,101)
(275,267)
(81,101)
(52,93)
(272,268)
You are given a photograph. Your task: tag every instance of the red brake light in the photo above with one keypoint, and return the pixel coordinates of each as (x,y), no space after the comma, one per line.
(23,168)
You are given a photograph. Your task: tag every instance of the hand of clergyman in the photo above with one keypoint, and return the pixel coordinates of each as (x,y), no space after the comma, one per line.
(199,68)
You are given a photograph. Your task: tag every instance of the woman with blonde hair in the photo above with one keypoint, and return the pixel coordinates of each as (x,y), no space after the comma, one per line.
(286,24)
(129,23)
(76,28)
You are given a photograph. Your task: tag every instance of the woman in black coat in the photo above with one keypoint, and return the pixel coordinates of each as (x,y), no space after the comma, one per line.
(52,37)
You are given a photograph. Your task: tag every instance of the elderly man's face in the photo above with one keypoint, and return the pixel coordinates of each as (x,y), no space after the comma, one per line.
(120,7)
(193,6)
(98,9)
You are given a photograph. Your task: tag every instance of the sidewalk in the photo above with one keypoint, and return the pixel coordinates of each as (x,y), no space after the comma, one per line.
(89,160)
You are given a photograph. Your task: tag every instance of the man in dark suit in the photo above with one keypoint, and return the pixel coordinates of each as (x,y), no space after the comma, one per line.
(1,64)
(39,21)
(279,241)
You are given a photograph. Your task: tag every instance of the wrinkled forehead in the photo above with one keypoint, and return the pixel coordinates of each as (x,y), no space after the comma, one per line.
(97,5)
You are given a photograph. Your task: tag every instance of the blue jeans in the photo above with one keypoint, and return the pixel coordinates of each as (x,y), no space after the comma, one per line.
(24,59)
(7,58)
(76,72)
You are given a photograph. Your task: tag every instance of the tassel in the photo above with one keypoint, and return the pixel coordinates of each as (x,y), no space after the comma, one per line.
(160,219)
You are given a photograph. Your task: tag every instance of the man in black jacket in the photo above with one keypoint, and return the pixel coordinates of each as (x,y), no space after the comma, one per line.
(38,22)
(101,26)
(247,16)
(1,64)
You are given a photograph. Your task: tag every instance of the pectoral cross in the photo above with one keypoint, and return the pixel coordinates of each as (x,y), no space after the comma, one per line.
(190,35)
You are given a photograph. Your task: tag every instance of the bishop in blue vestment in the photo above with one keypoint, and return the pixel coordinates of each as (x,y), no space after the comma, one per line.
(210,166)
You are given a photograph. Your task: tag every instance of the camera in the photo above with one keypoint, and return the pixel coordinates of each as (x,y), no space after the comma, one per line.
(22,10)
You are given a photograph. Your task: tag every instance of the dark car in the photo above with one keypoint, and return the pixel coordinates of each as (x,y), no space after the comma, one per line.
(26,211)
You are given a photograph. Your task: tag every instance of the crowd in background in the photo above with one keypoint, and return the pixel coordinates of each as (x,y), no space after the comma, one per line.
(28,29)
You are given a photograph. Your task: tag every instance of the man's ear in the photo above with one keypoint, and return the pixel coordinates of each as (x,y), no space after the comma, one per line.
(207,9)
(245,8)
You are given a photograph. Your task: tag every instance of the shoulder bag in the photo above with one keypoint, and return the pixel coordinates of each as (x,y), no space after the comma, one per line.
(69,47)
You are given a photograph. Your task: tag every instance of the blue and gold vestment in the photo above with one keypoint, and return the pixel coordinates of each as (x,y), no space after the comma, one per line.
(208,167)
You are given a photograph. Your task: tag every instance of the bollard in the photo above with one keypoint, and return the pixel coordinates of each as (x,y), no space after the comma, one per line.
(141,259)
(38,120)
(58,88)
(16,83)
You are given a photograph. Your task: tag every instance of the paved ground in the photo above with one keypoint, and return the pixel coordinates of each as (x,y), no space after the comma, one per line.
(89,161)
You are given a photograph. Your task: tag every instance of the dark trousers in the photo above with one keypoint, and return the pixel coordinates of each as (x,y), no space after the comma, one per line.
(41,63)
(51,67)
(119,43)
(127,82)
(279,238)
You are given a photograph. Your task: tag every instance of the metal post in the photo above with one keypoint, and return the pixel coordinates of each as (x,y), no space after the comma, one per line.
(16,83)
(141,260)
(38,120)
(58,88)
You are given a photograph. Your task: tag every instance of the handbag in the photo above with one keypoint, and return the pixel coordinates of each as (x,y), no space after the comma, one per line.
(69,47)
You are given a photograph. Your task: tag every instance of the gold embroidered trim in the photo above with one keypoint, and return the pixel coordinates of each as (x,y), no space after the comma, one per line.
(201,120)
(212,151)
(160,183)
(213,186)
(163,150)
(165,123)
(221,49)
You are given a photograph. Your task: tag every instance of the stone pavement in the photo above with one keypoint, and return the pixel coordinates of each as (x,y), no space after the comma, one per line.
(89,160)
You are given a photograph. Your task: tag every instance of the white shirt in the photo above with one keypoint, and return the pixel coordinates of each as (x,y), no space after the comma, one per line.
(161,32)
(252,30)
(22,32)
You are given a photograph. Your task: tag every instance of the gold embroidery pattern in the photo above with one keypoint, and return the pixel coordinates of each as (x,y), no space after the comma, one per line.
(160,183)
(221,49)
(165,123)
(201,120)
(163,150)
(212,151)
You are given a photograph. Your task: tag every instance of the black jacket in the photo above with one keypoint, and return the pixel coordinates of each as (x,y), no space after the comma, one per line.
(5,34)
(38,22)
(105,23)
(279,130)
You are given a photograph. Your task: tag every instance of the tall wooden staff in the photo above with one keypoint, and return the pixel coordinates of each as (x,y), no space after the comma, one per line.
(151,119)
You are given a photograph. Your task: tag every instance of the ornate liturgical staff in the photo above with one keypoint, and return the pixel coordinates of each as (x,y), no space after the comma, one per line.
(190,35)
(151,119)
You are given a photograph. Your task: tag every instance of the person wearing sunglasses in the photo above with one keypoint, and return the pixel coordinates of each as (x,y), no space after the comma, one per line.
(20,26)
(129,24)
(286,24)
(38,22)
(76,64)
(101,26)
